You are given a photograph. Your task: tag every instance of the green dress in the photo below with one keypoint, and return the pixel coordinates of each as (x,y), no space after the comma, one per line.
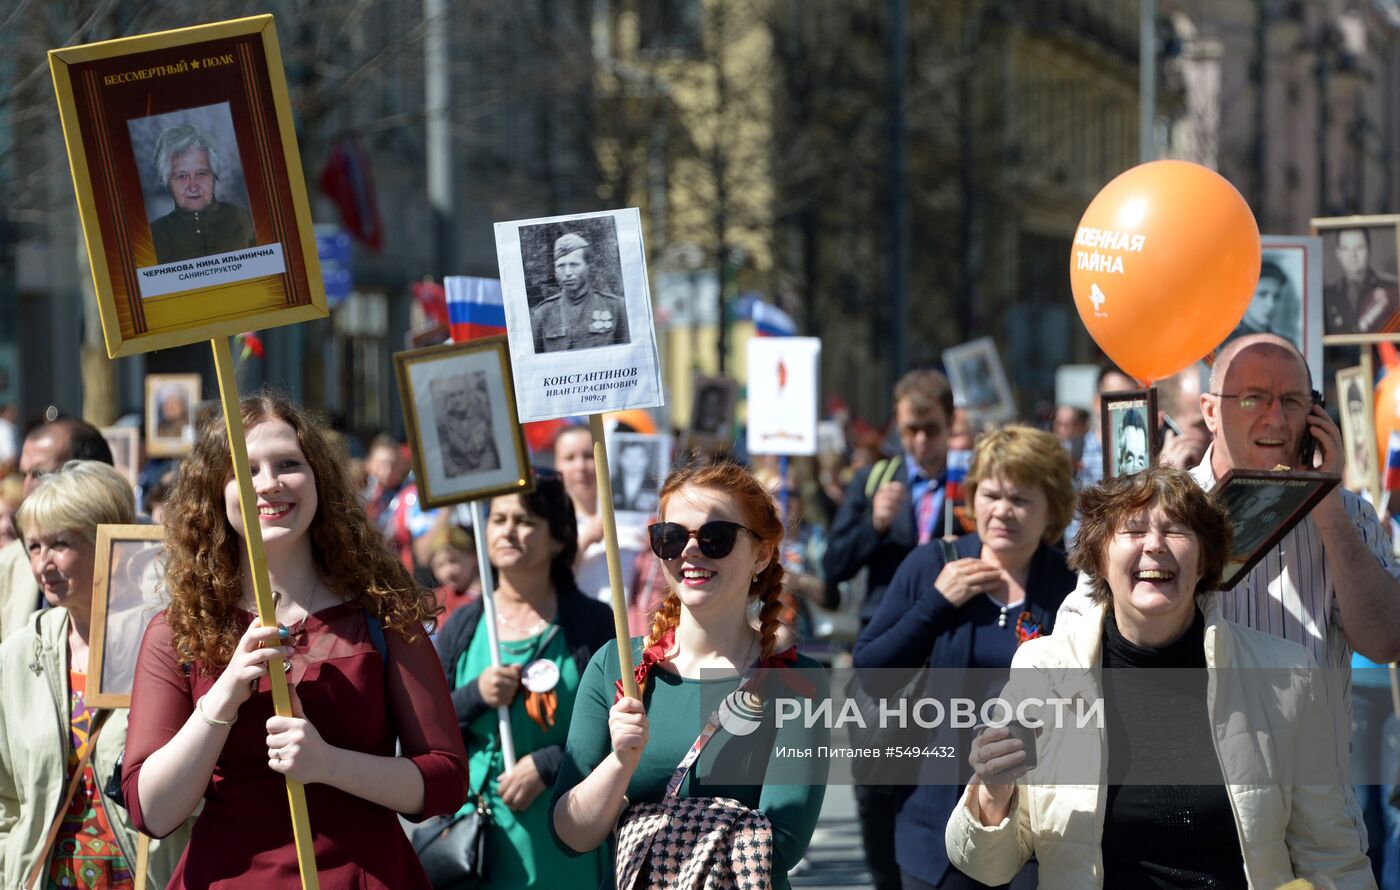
(751,769)
(519,852)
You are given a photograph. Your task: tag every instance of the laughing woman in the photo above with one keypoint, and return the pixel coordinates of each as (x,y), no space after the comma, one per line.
(1211,777)
(717,542)
(362,670)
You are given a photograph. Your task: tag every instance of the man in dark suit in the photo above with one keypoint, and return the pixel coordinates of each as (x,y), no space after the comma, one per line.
(889,509)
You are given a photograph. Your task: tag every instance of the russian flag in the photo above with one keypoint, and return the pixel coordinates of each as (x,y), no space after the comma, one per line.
(958,463)
(770,321)
(475,308)
(1392,462)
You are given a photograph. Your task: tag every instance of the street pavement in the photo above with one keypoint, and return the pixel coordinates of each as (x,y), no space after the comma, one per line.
(834,858)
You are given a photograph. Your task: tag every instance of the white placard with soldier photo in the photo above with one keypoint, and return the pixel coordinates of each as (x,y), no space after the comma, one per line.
(784,383)
(578,312)
(637,463)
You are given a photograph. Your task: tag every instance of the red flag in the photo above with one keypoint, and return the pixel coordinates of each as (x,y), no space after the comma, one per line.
(346,180)
(433,298)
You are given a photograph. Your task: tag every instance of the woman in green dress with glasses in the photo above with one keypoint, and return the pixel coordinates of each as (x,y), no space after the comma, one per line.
(548,630)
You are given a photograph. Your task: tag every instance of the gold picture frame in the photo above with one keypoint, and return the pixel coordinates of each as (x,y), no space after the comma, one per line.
(463,428)
(127,588)
(172,269)
(171,434)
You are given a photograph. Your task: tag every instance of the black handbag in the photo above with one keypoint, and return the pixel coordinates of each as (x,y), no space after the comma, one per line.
(452,849)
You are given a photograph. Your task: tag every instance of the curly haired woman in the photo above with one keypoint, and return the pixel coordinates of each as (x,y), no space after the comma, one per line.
(717,540)
(350,624)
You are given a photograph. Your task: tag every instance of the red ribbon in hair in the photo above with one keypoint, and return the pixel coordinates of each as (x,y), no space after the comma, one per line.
(651,655)
(781,663)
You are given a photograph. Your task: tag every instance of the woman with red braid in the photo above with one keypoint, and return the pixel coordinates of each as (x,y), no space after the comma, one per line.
(716,650)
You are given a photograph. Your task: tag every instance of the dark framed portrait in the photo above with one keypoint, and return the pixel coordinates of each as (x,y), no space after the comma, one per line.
(979,381)
(1264,505)
(189,184)
(712,404)
(637,463)
(125,442)
(172,401)
(1360,265)
(1129,424)
(459,409)
(128,590)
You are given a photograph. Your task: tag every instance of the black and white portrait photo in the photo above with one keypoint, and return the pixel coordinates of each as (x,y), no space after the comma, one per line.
(1358,430)
(1361,297)
(459,410)
(637,464)
(464,427)
(573,275)
(193,183)
(1263,506)
(1276,307)
(979,381)
(712,409)
(1129,421)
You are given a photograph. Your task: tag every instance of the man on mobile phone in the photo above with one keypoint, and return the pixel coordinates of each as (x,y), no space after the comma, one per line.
(1331,584)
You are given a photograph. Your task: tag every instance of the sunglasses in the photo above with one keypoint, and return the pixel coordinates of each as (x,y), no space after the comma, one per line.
(716,538)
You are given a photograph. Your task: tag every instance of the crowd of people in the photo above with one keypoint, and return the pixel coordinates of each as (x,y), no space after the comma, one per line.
(483,702)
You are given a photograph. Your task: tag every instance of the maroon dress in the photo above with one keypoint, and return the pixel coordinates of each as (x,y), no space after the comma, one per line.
(243,836)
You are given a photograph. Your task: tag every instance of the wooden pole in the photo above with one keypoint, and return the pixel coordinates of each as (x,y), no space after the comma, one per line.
(262,592)
(488,605)
(619,602)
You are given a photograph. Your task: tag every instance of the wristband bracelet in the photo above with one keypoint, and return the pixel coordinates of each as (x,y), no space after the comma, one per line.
(210,721)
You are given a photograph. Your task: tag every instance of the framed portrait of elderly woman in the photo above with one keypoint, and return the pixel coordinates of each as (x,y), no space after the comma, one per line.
(128,590)
(1128,423)
(459,409)
(189,184)
(1265,505)
(171,401)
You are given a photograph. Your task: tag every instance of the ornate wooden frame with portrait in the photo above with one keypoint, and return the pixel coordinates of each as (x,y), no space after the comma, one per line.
(122,606)
(501,462)
(1114,404)
(1265,529)
(251,268)
(160,443)
(1383,236)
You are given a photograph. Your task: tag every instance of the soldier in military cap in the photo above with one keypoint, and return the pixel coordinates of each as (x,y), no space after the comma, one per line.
(578,315)
(1362,300)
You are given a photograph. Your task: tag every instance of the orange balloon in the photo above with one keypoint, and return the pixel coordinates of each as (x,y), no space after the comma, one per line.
(1163,266)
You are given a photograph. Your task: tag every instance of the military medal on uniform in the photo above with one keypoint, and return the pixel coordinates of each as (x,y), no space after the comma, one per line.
(602,322)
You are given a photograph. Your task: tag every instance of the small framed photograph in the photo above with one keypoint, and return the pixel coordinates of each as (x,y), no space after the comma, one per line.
(979,381)
(189,184)
(712,411)
(1359,430)
(1288,296)
(125,442)
(459,408)
(1129,424)
(128,590)
(171,402)
(638,463)
(578,314)
(1264,505)
(1360,262)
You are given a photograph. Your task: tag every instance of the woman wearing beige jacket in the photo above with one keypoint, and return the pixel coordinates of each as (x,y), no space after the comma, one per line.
(46,839)
(1213,768)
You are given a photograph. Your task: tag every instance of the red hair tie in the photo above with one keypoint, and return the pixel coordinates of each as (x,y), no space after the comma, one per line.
(651,656)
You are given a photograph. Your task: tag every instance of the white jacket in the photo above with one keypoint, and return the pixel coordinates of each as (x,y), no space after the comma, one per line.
(1286,831)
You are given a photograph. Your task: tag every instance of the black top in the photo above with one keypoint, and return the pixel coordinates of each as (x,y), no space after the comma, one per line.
(1168,822)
